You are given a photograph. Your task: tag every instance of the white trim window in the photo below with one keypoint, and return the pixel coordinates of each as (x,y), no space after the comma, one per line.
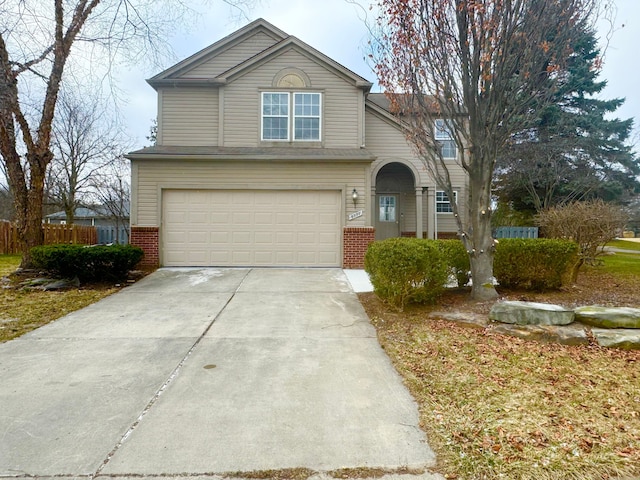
(285,116)
(443,205)
(275,116)
(444,137)
(306,116)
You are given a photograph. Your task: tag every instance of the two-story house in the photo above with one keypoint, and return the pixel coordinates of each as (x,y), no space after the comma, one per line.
(270,153)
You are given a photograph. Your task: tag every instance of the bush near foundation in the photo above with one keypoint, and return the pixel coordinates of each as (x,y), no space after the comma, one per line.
(88,263)
(534,263)
(457,259)
(406,270)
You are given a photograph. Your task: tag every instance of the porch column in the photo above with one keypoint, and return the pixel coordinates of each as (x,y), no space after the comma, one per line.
(418,212)
(431,212)
(374,207)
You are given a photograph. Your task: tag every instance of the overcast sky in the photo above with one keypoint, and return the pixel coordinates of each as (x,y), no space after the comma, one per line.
(337,28)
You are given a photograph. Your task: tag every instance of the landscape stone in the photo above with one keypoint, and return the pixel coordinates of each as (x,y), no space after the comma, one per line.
(530,313)
(609,317)
(624,338)
(565,335)
(62,284)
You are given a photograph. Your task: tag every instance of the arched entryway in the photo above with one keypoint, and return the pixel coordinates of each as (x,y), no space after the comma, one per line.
(395,204)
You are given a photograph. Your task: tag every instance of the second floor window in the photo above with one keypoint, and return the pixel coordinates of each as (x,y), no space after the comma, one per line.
(444,136)
(294,116)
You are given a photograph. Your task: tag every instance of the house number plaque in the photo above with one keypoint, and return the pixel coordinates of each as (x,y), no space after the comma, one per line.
(355,215)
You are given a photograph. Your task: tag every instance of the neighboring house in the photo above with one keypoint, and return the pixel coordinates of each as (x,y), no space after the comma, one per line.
(98,216)
(270,153)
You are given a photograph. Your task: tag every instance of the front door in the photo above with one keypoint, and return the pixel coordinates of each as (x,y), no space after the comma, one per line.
(388,216)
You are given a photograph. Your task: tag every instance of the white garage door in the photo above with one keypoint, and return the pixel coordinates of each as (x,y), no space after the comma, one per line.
(251,228)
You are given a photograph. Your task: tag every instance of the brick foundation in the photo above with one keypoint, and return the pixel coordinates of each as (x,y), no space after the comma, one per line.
(147,238)
(355,241)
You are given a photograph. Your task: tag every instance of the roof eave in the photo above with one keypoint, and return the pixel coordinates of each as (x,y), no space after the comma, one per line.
(186,82)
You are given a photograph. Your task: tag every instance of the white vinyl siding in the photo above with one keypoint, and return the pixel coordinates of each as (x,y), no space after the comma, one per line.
(188,117)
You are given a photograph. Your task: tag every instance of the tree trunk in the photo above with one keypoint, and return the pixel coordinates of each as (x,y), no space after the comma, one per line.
(482,288)
(481,245)
(576,269)
(29,218)
(31,233)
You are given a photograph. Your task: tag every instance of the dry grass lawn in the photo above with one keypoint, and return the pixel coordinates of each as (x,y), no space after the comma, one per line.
(496,407)
(24,310)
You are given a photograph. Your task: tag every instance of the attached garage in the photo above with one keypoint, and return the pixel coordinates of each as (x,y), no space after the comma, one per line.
(251,228)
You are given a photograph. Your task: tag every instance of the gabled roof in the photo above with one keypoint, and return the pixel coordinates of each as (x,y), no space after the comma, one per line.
(234,38)
(284,43)
(379,104)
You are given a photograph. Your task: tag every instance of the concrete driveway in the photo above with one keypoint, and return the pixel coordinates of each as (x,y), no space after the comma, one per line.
(206,371)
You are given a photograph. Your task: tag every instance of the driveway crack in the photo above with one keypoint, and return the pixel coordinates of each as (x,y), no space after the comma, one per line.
(165,385)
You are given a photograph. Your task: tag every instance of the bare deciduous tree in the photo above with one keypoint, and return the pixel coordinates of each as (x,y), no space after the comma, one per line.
(37,38)
(591,224)
(483,65)
(112,191)
(84,142)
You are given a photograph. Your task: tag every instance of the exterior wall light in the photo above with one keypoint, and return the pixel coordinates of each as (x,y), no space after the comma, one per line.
(354,196)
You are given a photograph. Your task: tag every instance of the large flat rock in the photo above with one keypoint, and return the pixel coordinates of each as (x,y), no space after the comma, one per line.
(530,313)
(565,335)
(624,338)
(609,317)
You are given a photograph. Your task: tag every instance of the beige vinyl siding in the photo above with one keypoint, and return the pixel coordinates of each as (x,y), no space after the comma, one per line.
(340,102)
(389,144)
(189,116)
(385,140)
(231,57)
(182,174)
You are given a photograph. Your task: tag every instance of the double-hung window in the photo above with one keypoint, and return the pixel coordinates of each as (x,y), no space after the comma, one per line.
(444,137)
(275,116)
(291,115)
(443,205)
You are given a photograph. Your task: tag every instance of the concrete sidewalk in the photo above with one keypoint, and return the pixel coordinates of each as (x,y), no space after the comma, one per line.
(206,371)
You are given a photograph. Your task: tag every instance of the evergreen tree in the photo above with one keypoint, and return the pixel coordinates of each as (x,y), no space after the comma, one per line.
(573,151)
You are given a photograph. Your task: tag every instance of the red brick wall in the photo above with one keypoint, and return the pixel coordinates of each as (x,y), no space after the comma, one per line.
(355,241)
(147,238)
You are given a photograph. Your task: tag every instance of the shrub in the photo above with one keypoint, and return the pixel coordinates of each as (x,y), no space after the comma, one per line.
(404,270)
(99,262)
(534,263)
(591,224)
(457,259)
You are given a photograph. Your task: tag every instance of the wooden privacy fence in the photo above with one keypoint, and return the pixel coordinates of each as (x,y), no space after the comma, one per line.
(53,233)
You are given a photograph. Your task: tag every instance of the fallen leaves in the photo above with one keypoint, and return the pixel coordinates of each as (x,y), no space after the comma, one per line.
(502,407)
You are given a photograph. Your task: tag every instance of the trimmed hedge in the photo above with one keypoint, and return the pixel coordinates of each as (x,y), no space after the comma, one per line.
(411,270)
(534,263)
(457,259)
(93,263)
(406,270)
